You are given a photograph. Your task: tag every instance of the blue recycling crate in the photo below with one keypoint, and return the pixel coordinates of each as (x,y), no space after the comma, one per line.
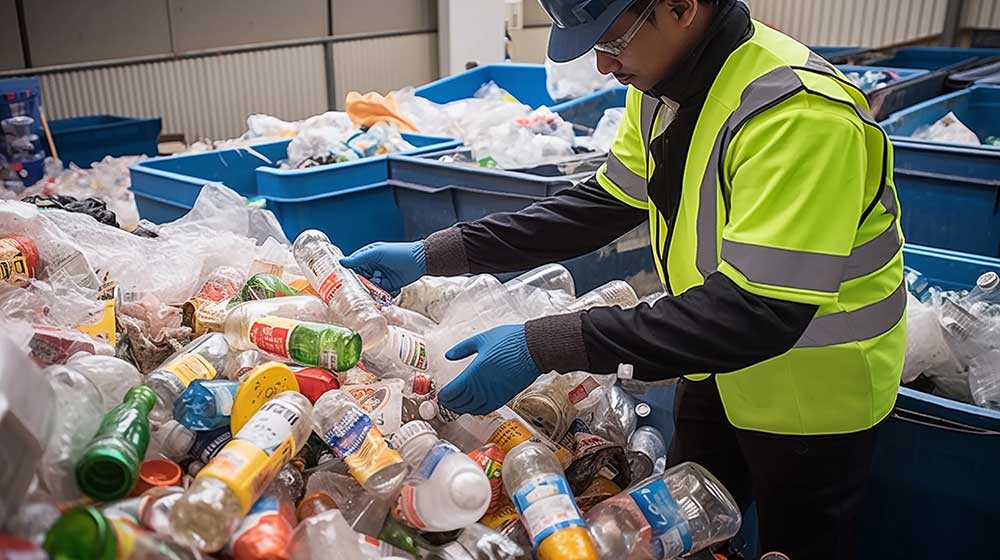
(949,192)
(837,54)
(929,58)
(588,110)
(85,140)
(526,82)
(903,74)
(327,197)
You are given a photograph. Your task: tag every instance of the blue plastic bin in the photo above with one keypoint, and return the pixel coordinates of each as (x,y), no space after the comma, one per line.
(350,201)
(977,107)
(903,73)
(928,58)
(85,140)
(588,110)
(837,55)
(526,82)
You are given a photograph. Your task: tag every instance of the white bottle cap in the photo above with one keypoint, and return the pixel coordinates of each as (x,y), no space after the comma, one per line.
(468,491)
(988,281)
(407,432)
(428,410)
(642,410)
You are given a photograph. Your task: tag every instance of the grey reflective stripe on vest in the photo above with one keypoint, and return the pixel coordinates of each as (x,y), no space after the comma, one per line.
(630,183)
(799,269)
(864,323)
(647,112)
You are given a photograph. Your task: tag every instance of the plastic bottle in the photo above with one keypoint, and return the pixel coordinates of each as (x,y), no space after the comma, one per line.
(446,489)
(77,413)
(533,478)
(547,407)
(25,423)
(85,532)
(352,435)
(109,467)
(550,277)
(615,292)
(171,440)
(226,488)
(917,284)
(365,512)
(262,286)
(304,342)
(316,537)
(266,530)
(112,376)
(206,404)
(239,318)
(986,289)
(647,451)
(682,511)
(149,510)
(221,285)
(241,363)
(478,542)
(202,358)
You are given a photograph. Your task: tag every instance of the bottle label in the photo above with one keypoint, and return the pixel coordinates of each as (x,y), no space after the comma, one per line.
(189,367)
(223,399)
(490,459)
(249,462)
(271,334)
(361,445)
(546,505)
(382,401)
(266,506)
(669,525)
(513,432)
(381,297)
(583,390)
(329,287)
(412,349)
(503,519)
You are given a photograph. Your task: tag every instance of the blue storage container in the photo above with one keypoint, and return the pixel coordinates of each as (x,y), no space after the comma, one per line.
(903,73)
(588,110)
(928,58)
(85,140)
(526,82)
(837,55)
(948,192)
(328,197)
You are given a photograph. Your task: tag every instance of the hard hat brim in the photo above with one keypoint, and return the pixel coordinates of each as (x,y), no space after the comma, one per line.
(572,43)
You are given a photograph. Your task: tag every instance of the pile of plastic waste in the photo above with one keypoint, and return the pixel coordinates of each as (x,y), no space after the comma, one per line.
(953,341)
(952,130)
(208,389)
(872,80)
(576,78)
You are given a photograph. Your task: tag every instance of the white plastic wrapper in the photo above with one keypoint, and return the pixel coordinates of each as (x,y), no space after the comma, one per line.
(925,344)
(949,129)
(575,78)
(604,134)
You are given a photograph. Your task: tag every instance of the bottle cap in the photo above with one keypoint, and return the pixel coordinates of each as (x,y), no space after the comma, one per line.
(422,384)
(469,490)
(411,430)
(315,381)
(988,281)
(314,504)
(157,472)
(428,410)
(642,410)
(265,382)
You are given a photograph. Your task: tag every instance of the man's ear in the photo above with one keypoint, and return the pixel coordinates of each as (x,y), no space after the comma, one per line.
(683,11)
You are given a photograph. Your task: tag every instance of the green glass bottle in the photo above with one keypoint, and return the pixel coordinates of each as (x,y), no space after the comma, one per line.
(81,532)
(109,467)
(262,286)
(307,343)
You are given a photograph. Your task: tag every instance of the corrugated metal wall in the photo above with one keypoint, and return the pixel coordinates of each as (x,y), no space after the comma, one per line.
(981,14)
(208,97)
(384,64)
(854,22)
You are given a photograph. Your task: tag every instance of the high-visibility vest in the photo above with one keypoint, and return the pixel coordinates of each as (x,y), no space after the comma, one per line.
(788,191)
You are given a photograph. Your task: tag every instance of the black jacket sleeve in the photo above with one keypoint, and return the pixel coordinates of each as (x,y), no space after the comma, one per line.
(714,328)
(570,223)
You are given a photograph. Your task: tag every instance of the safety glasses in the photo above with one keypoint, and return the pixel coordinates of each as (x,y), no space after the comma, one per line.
(617,46)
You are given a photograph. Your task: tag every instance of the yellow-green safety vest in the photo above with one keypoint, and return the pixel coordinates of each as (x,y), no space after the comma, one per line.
(788,191)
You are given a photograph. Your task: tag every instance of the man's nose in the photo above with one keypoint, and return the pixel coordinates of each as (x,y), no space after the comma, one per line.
(606,63)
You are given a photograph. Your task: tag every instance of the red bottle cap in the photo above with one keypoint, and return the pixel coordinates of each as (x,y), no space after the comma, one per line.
(157,472)
(314,381)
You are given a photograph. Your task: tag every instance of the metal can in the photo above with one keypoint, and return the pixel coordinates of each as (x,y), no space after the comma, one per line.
(18,259)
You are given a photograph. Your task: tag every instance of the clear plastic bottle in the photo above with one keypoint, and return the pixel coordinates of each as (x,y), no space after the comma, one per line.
(226,488)
(240,318)
(552,276)
(534,479)
(203,358)
(446,489)
(547,407)
(647,452)
(317,537)
(680,512)
(615,292)
(352,435)
(171,440)
(987,290)
(77,414)
(304,342)
(112,376)
(206,404)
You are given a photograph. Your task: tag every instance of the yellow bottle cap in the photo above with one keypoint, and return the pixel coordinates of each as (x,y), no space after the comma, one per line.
(262,384)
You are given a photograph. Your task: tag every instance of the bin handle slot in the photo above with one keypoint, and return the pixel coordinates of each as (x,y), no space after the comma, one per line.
(936,422)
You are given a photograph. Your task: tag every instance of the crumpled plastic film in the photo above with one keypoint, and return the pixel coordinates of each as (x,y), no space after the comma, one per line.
(576,78)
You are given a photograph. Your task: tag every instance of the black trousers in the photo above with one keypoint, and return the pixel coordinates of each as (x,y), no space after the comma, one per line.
(809,489)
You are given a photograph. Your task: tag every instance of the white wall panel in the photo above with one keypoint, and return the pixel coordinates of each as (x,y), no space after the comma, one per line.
(207,97)
(981,14)
(384,64)
(529,44)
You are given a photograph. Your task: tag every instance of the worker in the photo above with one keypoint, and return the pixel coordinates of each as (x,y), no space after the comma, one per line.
(774,225)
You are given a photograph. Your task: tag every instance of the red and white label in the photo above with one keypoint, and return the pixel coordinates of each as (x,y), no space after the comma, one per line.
(270,334)
(330,285)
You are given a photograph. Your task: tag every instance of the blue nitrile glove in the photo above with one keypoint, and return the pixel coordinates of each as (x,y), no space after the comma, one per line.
(389,265)
(503,368)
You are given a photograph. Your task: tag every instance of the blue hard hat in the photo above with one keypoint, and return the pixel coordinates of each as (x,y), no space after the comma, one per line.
(579,24)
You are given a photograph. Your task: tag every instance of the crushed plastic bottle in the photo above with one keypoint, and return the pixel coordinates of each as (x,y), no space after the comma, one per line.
(203,358)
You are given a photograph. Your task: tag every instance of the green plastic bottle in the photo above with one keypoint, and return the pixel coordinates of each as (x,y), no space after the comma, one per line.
(81,532)
(305,342)
(109,467)
(262,286)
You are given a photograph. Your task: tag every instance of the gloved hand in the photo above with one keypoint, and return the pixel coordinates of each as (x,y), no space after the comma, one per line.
(503,368)
(389,265)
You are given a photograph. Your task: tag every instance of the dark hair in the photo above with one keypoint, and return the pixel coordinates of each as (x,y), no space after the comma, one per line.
(638,6)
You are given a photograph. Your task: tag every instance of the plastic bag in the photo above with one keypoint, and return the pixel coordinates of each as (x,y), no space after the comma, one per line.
(575,78)
(604,134)
(948,129)
(925,343)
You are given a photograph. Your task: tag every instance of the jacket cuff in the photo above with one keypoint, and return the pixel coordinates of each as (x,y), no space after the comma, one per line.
(445,253)
(556,343)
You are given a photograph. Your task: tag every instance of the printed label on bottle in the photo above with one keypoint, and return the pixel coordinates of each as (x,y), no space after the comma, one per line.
(669,525)
(583,390)
(504,517)
(361,445)
(265,506)
(329,287)
(208,444)
(412,349)
(249,462)
(546,505)
(223,400)
(514,432)
(490,459)
(125,535)
(271,334)
(383,401)
(381,297)
(189,367)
